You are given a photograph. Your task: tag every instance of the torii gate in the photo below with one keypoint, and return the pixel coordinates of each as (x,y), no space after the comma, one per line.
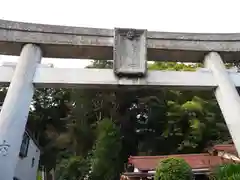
(129,48)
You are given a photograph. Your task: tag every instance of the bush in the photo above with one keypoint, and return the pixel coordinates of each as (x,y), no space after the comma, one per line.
(173,169)
(226,172)
(105,156)
(73,168)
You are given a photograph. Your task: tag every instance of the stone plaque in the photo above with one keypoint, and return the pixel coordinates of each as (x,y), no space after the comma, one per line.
(130,52)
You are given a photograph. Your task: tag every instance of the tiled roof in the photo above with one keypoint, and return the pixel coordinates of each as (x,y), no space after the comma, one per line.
(228,148)
(196,161)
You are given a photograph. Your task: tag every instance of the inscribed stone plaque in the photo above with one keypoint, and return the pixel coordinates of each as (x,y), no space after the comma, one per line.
(130,52)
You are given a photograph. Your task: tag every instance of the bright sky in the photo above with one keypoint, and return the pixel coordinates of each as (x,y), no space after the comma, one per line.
(162,15)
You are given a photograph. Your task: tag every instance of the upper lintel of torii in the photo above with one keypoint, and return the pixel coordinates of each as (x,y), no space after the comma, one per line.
(92,43)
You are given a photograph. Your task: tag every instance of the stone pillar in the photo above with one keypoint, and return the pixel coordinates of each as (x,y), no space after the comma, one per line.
(226,95)
(15,109)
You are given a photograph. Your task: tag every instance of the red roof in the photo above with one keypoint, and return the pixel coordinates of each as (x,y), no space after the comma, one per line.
(196,161)
(228,148)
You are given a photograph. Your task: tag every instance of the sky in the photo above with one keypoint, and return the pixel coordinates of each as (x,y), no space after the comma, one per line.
(205,16)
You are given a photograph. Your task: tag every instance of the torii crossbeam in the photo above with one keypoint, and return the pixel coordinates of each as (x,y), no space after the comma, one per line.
(129,49)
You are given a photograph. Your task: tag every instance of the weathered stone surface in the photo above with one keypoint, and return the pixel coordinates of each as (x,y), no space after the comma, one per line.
(93,43)
(130,52)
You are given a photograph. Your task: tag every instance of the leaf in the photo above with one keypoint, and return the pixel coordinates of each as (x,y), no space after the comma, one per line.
(192,106)
(195,123)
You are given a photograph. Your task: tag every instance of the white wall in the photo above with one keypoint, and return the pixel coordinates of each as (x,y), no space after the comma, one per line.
(24,169)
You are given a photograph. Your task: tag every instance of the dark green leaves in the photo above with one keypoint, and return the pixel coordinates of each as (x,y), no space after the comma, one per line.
(174,169)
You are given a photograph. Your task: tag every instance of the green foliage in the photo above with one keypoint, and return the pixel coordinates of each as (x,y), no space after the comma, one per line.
(226,172)
(72,123)
(174,169)
(190,121)
(49,106)
(105,158)
(39,175)
(73,168)
(173,66)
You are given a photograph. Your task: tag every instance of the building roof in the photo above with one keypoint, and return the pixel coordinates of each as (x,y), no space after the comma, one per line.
(228,148)
(196,161)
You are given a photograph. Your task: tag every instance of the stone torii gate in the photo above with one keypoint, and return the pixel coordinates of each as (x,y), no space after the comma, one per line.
(130,49)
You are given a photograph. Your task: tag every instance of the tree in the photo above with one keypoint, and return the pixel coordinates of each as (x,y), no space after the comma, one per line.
(49,107)
(226,172)
(184,121)
(105,158)
(174,169)
(67,123)
(72,168)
